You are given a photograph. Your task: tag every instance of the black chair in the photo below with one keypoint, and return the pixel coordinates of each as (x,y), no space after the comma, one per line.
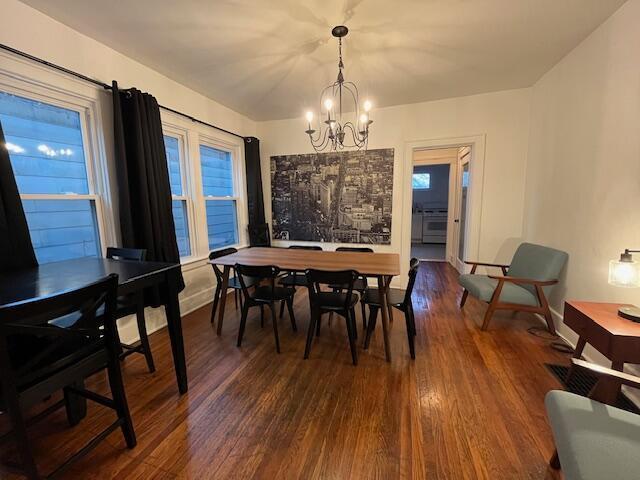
(397,298)
(233,281)
(263,295)
(259,235)
(295,279)
(360,285)
(133,304)
(340,303)
(38,357)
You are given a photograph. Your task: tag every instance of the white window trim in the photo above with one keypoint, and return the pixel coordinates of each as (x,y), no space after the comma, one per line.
(36,83)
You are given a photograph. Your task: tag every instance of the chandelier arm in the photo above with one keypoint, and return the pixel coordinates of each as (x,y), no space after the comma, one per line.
(358,142)
(320,141)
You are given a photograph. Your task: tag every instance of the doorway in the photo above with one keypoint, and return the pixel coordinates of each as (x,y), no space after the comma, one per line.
(440,200)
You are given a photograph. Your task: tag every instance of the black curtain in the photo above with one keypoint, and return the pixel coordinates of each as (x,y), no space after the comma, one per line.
(255,200)
(144,193)
(16,250)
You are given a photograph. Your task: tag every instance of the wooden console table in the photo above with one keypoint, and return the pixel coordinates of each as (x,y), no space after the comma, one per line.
(599,325)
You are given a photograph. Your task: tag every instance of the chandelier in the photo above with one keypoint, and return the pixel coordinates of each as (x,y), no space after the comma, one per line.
(338,132)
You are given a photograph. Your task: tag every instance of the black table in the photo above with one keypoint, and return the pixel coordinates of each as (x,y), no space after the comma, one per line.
(132,276)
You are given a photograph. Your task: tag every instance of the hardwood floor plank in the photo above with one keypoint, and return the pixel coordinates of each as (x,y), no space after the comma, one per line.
(469,407)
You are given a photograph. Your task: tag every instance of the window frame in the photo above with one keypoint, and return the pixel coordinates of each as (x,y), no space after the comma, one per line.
(234,150)
(181,134)
(46,87)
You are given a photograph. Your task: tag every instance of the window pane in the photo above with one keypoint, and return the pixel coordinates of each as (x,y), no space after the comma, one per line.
(182,227)
(221,223)
(45,146)
(421,181)
(217,172)
(172,147)
(62,229)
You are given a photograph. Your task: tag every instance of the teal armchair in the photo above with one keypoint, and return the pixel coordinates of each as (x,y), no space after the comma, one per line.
(523,286)
(594,440)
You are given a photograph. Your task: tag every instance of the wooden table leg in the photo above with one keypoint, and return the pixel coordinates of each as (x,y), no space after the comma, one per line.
(607,389)
(383,289)
(389,307)
(223,299)
(174,325)
(576,354)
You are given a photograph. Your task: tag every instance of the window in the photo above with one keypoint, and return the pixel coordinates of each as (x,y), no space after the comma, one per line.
(219,196)
(421,181)
(47,152)
(179,203)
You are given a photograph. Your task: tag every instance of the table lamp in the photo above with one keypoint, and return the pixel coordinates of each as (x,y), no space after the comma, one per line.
(626,273)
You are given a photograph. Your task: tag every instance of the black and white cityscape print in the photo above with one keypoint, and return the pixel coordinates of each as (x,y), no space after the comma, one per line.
(342,197)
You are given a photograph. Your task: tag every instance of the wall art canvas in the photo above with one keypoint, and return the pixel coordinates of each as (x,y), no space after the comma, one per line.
(342,197)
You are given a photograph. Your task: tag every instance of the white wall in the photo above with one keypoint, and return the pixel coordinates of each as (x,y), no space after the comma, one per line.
(26,29)
(583,175)
(501,117)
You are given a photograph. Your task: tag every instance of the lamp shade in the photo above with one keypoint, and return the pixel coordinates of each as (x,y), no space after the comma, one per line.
(624,273)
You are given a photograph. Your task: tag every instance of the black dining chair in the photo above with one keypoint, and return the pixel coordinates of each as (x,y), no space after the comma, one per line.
(259,234)
(360,285)
(397,298)
(296,279)
(38,358)
(339,302)
(133,304)
(263,295)
(234,283)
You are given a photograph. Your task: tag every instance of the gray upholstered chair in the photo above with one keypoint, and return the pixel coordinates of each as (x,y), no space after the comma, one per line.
(594,440)
(524,285)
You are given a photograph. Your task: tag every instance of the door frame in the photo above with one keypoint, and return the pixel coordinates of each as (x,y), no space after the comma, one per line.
(457,194)
(476,185)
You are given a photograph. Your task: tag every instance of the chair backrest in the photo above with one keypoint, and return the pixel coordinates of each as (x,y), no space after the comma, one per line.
(259,235)
(538,263)
(306,247)
(413,272)
(33,346)
(355,249)
(317,278)
(261,272)
(138,254)
(217,254)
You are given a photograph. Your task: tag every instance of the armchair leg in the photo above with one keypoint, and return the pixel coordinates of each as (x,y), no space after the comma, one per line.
(463,300)
(488,315)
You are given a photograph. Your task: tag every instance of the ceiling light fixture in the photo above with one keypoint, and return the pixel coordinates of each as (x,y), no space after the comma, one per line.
(339,134)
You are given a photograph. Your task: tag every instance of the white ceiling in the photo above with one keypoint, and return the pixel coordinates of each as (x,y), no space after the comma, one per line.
(269,59)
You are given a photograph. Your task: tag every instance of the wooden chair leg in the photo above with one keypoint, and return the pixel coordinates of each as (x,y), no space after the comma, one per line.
(371,324)
(488,315)
(351,326)
(235,297)
(554,462)
(282,302)
(19,433)
(353,319)
(544,304)
(463,300)
(312,323)
(144,337)
(319,321)
(216,299)
(364,314)
(275,325)
(243,322)
(120,400)
(291,315)
(75,405)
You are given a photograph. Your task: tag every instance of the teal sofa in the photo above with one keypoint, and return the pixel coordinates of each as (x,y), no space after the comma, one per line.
(524,284)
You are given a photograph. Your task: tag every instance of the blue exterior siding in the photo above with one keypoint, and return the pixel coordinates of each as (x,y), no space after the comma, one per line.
(47,155)
(221,223)
(172,148)
(217,172)
(180,218)
(182,227)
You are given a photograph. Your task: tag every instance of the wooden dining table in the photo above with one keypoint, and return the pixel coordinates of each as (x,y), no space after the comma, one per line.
(383,266)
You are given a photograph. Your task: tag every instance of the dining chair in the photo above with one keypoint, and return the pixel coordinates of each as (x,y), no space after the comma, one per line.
(396,298)
(296,279)
(360,285)
(263,295)
(339,302)
(233,283)
(39,358)
(133,304)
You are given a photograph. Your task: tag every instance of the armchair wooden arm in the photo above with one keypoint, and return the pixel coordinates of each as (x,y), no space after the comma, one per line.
(528,281)
(604,372)
(475,265)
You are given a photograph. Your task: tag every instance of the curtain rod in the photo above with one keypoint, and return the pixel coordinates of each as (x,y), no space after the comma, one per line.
(106,86)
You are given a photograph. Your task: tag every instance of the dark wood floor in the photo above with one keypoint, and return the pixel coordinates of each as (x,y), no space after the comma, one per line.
(469,406)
